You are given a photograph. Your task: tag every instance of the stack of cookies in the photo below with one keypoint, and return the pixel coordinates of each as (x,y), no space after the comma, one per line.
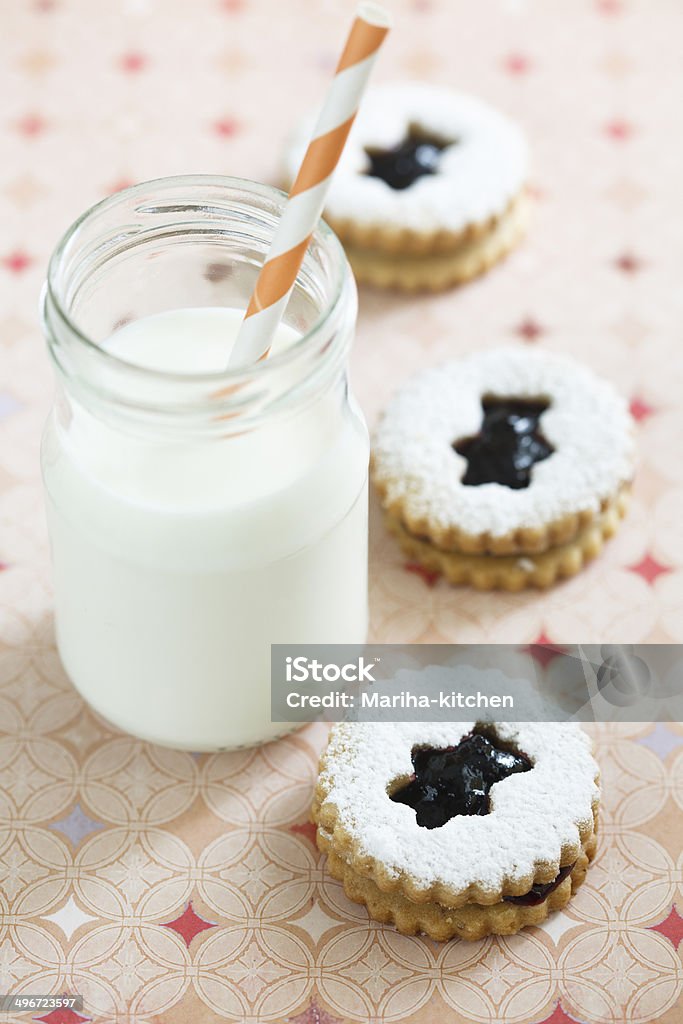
(430,190)
(458,829)
(506,469)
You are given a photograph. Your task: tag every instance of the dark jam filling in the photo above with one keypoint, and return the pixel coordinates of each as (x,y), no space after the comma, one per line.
(508,445)
(402,165)
(538,893)
(456,780)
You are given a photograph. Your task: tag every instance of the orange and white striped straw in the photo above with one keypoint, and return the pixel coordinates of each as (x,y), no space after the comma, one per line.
(309,191)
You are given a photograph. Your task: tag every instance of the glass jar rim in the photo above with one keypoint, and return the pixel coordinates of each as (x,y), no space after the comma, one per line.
(257,370)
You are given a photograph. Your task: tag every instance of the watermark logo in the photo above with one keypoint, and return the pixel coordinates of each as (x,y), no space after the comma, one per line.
(623,678)
(495,682)
(304,670)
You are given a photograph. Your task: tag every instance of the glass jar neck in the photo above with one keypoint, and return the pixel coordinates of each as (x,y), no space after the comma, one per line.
(190,242)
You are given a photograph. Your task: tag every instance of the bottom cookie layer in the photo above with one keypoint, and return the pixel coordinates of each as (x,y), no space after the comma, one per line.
(514,572)
(471,921)
(442,270)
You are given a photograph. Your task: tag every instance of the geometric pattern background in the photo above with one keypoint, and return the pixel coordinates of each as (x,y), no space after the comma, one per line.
(170,888)
(165,886)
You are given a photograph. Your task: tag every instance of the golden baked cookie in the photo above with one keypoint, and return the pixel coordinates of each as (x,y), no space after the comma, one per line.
(515,572)
(453,828)
(470,921)
(430,189)
(506,468)
(436,271)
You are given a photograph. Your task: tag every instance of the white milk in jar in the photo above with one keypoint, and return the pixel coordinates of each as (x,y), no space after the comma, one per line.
(197,516)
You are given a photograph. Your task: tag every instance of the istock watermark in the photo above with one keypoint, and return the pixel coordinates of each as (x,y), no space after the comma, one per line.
(495,682)
(303,669)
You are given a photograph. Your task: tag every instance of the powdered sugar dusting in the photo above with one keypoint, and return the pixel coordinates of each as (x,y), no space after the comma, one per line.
(476,178)
(588,424)
(533,814)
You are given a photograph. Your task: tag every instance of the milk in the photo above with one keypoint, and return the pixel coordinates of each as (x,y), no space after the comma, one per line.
(178,562)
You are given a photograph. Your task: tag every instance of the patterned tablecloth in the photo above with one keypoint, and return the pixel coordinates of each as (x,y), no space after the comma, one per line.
(169,888)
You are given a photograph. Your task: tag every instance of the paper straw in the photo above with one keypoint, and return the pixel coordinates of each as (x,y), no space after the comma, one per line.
(309,191)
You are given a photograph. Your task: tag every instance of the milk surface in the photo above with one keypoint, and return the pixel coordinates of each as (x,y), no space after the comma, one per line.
(179,562)
(191,341)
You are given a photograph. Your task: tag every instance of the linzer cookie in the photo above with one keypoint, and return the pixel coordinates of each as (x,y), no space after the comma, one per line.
(458,829)
(430,189)
(506,469)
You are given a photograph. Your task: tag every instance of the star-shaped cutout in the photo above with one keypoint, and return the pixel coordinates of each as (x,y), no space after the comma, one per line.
(661,740)
(558,1016)
(529,329)
(649,568)
(543,650)
(306,829)
(188,925)
(640,409)
(627,263)
(314,1014)
(508,445)
(17,261)
(430,576)
(671,928)
(451,781)
(402,165)
(77,825)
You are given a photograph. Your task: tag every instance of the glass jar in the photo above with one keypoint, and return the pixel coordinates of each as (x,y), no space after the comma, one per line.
(196,518)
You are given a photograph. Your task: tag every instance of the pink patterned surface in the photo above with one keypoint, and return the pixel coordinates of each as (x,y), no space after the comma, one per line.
(169,888)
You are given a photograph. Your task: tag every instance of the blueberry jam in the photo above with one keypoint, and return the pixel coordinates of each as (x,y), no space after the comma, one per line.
(456,780)
(538,893)
(508,445)
(402,165)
